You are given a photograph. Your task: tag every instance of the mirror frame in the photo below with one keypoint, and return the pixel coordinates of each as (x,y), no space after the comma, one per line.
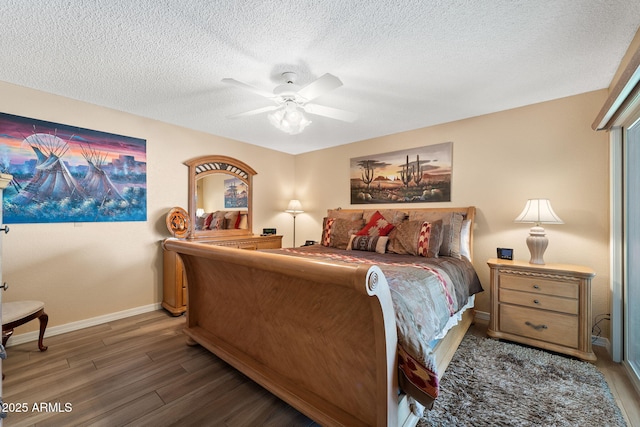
(203,166)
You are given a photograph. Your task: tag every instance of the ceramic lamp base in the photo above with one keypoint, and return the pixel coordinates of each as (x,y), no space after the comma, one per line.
(537,243)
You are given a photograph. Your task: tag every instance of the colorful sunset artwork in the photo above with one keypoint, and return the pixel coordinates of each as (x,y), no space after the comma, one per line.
(416,175)
(64,173)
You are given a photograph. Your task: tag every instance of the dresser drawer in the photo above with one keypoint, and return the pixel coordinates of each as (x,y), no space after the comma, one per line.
(540,301)
(270,244)
(542,286)
(541,325)
(248,246)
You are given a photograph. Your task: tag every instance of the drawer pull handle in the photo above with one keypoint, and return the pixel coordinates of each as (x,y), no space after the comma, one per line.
(536,327)
(535,301)
(536,287)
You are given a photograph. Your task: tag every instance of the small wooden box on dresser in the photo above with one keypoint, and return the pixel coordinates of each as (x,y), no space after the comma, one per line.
(174,281)
(546,306)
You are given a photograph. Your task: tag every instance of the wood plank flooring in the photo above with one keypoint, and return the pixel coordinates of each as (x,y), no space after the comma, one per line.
(139,372)
(136,371)
(623,391)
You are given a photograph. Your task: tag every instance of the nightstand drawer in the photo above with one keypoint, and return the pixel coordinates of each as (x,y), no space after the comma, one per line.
(540,325)
(542,286)
(544,302)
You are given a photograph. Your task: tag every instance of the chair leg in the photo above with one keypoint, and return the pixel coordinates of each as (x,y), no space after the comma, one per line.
(6,334)
(5,337)
(44,319)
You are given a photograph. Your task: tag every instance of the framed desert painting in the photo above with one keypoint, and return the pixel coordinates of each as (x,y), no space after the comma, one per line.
(64,173)
(416,175)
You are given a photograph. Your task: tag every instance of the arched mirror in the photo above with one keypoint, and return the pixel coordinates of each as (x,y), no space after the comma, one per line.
(219,197)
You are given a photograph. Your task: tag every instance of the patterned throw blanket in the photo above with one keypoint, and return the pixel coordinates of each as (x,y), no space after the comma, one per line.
(426,292)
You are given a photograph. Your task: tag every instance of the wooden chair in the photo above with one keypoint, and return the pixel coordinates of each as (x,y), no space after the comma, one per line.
(18,313)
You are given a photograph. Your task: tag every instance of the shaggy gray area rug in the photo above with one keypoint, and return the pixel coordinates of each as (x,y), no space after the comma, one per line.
(494,383)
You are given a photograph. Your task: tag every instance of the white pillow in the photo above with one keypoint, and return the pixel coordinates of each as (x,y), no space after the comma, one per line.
(465,239)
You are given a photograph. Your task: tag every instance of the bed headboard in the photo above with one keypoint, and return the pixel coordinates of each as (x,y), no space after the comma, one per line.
(468,213)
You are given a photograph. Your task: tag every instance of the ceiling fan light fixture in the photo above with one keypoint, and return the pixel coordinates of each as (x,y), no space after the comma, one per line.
(292,101)
(289,118)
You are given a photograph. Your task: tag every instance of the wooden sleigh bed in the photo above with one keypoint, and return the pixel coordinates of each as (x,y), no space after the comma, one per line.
(319,335)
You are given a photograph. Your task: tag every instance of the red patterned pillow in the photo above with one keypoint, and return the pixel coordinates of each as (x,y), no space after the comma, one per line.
(377,226)
(207,222)
(326,231)
(423,240)
(417,238)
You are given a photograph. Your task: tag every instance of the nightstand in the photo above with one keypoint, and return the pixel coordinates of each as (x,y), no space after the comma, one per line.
(546,306)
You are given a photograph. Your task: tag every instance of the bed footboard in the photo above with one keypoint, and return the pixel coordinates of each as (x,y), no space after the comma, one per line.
(320,336)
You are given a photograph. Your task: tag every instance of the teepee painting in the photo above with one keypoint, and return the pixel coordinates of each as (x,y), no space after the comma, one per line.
(69,174)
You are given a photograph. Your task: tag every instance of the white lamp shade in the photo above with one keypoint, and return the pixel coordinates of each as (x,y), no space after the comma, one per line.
(538,211)
(294,207)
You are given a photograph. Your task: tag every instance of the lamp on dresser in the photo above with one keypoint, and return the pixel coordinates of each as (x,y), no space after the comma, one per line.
(294,208)
(538,211)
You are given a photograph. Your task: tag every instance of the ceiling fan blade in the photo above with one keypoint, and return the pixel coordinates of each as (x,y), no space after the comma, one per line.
(334,113)
(248,87)
(253,112)
(320,86)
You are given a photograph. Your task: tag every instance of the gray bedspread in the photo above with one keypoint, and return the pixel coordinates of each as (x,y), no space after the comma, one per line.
(426,292)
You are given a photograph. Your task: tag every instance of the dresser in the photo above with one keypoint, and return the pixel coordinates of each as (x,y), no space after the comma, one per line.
(174,281)
(546,306)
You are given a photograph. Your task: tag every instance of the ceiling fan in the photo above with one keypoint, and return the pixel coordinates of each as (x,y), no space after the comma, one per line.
(290,98)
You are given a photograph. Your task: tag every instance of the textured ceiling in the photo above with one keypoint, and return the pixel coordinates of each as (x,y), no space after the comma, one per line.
(404,64)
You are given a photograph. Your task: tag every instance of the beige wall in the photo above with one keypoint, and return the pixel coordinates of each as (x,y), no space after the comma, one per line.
(548,150)
(500,160)
(87,270)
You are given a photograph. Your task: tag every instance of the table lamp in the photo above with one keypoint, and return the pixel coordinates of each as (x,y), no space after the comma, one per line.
(538,211)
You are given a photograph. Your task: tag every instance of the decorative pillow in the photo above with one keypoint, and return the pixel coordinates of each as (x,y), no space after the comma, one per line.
(243,221)
(336,232)
(207,221)
(327,226)
(418,238)
(217,221)
(451,225)
(230,219)
(465,239)
(339,213)
(377,226)
(200,222)
(451,240)
(437,234)
(423,240)
(394,216)
(368,243)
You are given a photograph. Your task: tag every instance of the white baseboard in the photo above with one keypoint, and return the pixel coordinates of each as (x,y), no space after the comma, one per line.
(81,324)
(601,342)
(482,315)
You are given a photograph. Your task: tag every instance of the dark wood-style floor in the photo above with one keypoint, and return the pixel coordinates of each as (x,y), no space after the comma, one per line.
(138,371)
